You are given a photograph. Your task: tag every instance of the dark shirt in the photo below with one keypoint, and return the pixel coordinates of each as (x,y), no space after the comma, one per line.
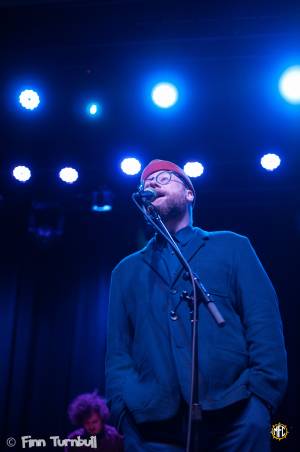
(182,238)
(108,440)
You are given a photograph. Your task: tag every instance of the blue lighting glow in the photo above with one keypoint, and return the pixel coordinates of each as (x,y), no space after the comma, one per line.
(105,208)
(270,162)
(22,173)
(193,169)
(131,166)
(29,99)
(93,109)
(289,85)
(68,175)
(164,95)
(102,201)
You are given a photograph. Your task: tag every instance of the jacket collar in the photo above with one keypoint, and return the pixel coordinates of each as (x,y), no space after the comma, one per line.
(181,237)
(152,256)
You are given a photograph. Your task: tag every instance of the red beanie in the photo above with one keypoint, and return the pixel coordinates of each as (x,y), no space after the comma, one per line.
(165,165)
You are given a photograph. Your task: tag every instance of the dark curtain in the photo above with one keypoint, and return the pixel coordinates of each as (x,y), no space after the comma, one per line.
(54,297)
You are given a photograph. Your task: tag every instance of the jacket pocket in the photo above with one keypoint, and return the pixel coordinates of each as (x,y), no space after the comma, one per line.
(137,394)
(227,368)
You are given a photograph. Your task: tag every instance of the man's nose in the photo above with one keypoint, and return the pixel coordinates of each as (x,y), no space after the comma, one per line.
(154,183)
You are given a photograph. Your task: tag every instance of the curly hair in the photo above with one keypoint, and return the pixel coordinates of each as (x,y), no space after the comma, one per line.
(81,408)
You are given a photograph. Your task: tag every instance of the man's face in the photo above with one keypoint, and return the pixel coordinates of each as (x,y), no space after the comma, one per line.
(93,424)
(173,197)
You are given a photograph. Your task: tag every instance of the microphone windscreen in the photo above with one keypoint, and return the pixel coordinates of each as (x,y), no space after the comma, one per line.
(149,194)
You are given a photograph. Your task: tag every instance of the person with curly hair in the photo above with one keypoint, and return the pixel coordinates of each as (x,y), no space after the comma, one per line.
(90,413)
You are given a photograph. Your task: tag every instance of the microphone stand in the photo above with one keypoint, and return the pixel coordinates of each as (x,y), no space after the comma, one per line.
(199,294)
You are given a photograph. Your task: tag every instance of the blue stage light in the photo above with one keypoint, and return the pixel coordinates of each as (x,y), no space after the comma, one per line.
(105,208)
(93,109)
(102,201)
(164,95)
(270,162)
(29,99)
(22,173)
(131,166)
(289,85)
(68,175)
(193,169)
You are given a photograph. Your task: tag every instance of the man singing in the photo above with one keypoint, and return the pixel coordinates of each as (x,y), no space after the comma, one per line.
(242,366)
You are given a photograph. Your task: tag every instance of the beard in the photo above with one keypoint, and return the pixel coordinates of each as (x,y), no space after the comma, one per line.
(171,208)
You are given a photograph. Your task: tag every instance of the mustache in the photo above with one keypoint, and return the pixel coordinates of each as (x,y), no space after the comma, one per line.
(160,193)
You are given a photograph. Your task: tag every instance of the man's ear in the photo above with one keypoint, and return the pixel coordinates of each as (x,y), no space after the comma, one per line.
(189,195)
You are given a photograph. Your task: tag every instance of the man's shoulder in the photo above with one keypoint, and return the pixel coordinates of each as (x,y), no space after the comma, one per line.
(222,237)
(226,241)
(133,258)
(226,236)
(79,432)
(111,432)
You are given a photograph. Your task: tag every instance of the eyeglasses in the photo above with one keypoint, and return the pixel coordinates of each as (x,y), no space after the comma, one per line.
(164,178)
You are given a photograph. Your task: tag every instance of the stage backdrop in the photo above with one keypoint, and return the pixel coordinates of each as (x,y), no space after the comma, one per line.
(54,297)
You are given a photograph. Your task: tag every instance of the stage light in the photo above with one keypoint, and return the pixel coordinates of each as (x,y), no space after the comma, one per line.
(104,208)
(101,201)
(68,175)
(93,109)
(164,95)
(46,220)
(193,169)
(22,173)
(270,162)
(289,85)
(29,99)
(131,166)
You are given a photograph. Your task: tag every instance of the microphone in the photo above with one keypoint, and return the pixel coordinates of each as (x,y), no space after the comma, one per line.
(147,195)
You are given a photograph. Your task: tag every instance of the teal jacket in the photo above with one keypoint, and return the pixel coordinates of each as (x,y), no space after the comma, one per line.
(148,361)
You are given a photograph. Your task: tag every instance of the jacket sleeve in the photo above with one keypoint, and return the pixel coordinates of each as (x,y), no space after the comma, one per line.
(263,327)
(119,363)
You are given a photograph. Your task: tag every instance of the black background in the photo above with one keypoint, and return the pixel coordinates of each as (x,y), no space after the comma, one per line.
(226,59)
